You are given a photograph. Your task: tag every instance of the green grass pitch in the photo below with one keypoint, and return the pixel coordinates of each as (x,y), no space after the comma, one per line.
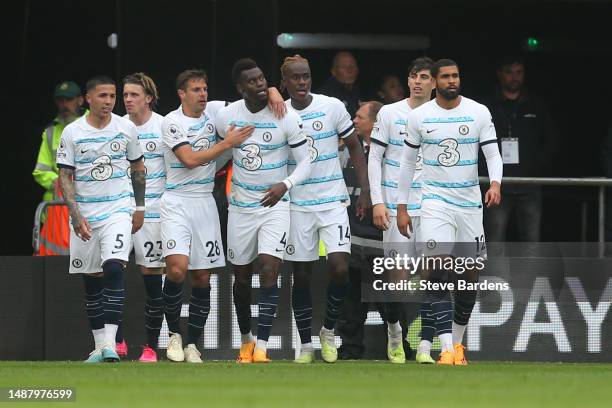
(284,384)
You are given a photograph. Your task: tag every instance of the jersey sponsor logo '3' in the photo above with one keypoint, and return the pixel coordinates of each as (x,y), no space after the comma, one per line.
(253,160)
(103,170)
(450,156)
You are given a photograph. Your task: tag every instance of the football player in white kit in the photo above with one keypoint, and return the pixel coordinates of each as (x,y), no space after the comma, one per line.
(384,171)
(258,223)
(190,230)
(94,156)
(140,98)
(449,130)
(318,205)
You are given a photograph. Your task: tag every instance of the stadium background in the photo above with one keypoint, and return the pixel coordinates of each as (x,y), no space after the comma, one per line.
(55,41)
(52,41)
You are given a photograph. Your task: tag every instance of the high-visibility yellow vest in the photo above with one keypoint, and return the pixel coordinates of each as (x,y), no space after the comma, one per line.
(46,172)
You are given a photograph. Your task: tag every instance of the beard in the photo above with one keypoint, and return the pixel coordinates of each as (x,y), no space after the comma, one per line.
(449,94)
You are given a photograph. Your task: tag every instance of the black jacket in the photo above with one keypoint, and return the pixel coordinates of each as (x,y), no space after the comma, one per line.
(350,97)
(527,119)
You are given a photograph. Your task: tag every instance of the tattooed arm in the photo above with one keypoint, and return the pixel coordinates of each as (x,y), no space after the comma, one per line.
(81,227)
(139,182)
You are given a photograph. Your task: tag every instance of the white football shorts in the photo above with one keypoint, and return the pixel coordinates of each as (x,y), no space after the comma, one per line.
(395,243)
(190,227)
(263,232)
(148,246)
(445,231)
(308,227)
(111,240)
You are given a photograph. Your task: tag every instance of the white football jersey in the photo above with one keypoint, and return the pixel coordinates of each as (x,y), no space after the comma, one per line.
(100,158)
(261,161)
(449,140)
(390,131)
(325,121)
(200,134)
(149,136)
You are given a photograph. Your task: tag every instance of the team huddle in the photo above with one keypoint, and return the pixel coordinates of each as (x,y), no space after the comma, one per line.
(145,182)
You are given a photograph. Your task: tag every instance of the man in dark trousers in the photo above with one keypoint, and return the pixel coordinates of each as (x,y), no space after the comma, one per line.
(366,244)
(525,134)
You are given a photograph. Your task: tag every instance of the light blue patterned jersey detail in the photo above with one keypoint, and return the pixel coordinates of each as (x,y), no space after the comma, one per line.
(104,216)
(150,195)
(466,204)
(153,216)
(197,126)
(101,199)
(152,176)
(312,115)
(463,184)
(150,156)
(459,163)
(324,135)
(101,139)
(264,146)
(320,200)
(396,142)
(390,162)
(401,122)
(243,204)
(177,166)
(258,125)
(270,166)
(321,157)
(92,159)
(252,187)
(115,175)
(316,180)
(411,207)
(463,140)
(458,119)
(148,136)
(189,183)
(388,183)
(329,156)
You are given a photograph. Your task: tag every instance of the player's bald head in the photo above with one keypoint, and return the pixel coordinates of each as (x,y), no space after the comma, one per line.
(344,68)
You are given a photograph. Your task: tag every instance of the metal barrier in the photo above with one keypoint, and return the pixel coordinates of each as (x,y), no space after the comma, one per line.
(601,183)
(38,222)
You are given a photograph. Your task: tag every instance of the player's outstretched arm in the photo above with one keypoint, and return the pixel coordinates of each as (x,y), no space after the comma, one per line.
(192,159)
(495,166)
(81,227)
(139,183)
(276,102)
(355,149)
(381,216)
(300,173)
(407,166)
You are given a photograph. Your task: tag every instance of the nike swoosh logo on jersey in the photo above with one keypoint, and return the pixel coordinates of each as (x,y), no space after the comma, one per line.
(84,151)
(279,250)
(440,318)
(342,244)
(403,133)
(432,130)
(115,252)
(214,260)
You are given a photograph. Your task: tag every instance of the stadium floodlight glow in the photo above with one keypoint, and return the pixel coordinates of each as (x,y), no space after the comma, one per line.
(353,41)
